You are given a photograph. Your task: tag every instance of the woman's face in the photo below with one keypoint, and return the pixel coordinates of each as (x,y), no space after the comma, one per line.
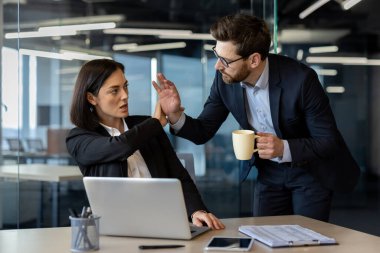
(111,103)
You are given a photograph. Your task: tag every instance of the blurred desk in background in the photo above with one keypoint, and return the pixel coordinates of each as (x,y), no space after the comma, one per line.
(37,157)
(54,174)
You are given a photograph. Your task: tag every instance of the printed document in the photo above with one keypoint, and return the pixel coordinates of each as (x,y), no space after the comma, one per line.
(286,235)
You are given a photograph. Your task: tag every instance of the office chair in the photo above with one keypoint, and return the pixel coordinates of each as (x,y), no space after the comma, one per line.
(15,145)
(187,160)
(35,145)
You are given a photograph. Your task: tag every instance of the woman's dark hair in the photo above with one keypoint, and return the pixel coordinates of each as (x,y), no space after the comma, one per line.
(91,78)
(250,34)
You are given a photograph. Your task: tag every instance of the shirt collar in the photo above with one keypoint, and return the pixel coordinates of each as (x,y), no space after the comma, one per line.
(262,83)
(114,131)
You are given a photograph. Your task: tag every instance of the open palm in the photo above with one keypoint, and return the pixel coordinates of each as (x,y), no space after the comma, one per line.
(168,95)
(170,100)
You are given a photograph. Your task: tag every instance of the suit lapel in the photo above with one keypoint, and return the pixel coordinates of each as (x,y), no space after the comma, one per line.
(274,93)
(101,130)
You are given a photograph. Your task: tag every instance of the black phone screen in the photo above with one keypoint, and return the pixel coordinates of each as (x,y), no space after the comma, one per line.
(230,243)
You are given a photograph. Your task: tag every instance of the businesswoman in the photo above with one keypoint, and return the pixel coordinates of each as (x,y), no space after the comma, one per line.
(107,142)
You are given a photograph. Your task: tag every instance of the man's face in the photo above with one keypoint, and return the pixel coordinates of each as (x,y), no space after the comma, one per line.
(237,69)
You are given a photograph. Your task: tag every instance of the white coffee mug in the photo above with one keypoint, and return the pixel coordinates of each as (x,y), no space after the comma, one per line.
(244,144)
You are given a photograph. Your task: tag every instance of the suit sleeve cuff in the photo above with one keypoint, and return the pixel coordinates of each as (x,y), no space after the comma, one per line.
(179,124)
(287,156)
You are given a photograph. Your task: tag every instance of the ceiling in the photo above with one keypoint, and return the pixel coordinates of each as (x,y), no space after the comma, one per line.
(353,29)
(361,24)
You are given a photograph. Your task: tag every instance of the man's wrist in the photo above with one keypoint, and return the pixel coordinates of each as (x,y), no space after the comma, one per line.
(180,122)
(174,117)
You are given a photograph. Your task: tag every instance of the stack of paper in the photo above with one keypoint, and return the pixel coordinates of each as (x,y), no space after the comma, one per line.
(285,235)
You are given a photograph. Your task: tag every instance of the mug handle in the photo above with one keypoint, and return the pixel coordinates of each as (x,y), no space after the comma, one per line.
(255,137)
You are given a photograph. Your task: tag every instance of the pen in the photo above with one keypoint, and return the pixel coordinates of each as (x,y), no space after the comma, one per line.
(167,246)
(88,211)
(83,213)
(73,213)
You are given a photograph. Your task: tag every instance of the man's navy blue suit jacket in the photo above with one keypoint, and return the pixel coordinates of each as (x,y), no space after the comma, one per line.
(301,114)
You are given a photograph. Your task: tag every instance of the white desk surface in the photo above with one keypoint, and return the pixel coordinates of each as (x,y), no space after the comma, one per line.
(57,240)
(41,172)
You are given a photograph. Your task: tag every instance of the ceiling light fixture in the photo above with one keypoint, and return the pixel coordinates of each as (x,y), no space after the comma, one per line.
(311,36)
(344,60)
(82,20)
(64,30)
(337,60)
(126,46)
(62,55)
(38,34)
(152,32)
(299,54)
(9,26)
(79,27)
(323,49)
(335,89)
(347,4)
(44,54)
(208,47)
(326,72)
(192,36)
(312,8)
(161,46)
(82,56)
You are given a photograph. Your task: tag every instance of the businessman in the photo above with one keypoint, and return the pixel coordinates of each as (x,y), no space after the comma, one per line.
(302,157)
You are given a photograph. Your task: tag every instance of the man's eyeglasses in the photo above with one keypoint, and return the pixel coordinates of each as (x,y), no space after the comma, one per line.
(223,60)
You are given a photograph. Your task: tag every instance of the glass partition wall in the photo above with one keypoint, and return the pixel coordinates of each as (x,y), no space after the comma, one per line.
(43,46)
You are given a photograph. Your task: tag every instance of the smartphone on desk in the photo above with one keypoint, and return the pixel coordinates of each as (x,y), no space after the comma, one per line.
(230,243)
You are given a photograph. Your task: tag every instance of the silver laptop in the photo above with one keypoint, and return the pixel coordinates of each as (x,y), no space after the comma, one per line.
(140,207)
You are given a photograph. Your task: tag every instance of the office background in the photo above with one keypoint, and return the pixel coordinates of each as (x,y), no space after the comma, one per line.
(41,55)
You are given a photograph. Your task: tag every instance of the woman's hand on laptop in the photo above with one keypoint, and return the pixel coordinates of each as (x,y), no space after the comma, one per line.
(201,217)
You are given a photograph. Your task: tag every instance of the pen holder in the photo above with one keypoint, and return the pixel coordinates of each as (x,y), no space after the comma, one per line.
(84,233)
